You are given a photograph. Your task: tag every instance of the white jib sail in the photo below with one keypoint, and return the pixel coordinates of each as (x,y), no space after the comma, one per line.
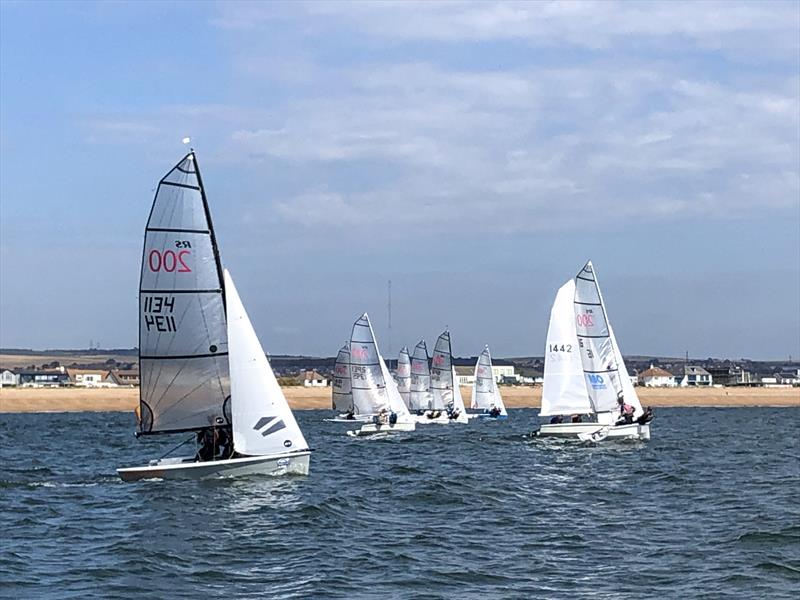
(263,423)
(367,381)
(183,345)
(628,391)
(342,394)
(458,399)
(565,391)
(396,404)
(485,393)
(403,375)
(442,373)
(600,368)
(420,397)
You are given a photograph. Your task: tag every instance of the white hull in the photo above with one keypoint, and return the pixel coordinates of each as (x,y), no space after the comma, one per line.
(573,430)
(374,428)
(355,419)
(295,463)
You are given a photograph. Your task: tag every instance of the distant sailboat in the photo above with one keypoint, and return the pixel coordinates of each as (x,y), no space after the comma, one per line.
(373,388)
(584,372)
(485,393)
(202,366)
(446,395)
(420,397)
(342,394)
(403,375)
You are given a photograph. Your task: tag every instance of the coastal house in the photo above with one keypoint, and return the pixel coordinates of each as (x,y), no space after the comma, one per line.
(312,379)
(123,377)
(789,376)
(55,378)
(729,374)
(501,369)
(694,376)
(657,377)
(90,378)
(8,378)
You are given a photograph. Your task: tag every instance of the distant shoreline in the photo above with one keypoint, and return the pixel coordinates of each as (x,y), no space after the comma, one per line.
(40,400)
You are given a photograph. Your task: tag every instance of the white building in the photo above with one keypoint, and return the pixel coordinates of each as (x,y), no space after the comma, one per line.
(696,377)
(657,377)
(312,379)
(90,378)
(8,378)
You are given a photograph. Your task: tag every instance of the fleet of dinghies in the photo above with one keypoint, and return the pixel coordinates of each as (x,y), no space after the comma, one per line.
(204,371)
(202,367)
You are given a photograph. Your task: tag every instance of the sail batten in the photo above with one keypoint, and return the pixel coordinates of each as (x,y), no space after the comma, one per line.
(182,326)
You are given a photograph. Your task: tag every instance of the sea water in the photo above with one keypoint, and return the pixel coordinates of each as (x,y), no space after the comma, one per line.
(710,507)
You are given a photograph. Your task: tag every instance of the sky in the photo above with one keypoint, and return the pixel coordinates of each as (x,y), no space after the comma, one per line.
(475,154)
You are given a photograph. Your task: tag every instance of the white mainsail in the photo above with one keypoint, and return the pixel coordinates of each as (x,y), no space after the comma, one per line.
(603,367)
(368,384)
(263,423)
(420,397)
(183,344)
(564,390)
(442,372)
(485,393)
(403,375)
(342,394)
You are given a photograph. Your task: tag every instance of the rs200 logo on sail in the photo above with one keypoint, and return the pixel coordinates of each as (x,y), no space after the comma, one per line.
(597,382)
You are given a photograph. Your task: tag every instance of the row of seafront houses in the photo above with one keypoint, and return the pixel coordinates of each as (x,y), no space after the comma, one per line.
(69,377)
(504,373)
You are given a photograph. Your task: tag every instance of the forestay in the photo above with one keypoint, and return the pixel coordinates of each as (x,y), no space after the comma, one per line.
(420,397)
(403,375)
(485,393)
(565,391)
(342,394)
(367,381)
(183,345)
(442,373)
(263,423)
(600,367)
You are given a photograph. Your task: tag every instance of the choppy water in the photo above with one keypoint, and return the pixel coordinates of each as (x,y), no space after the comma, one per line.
(709,508)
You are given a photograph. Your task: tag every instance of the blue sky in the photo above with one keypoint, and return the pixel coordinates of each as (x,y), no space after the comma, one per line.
(476,154)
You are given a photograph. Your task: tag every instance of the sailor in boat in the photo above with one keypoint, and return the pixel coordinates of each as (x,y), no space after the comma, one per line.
(216,443)
(350,415)
(494,411)
(625,411)
(452,412)
(556,419)
(576,419)
(393,418)
(646,417)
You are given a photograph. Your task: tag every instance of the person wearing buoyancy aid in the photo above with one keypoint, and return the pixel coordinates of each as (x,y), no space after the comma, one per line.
(625,411)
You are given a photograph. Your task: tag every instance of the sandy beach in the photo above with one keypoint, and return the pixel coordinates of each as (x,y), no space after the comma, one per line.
(124,399)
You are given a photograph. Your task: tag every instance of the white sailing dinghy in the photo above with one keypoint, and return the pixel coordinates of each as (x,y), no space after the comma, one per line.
(485,393)
(446,394)
(373,388)
(200,361)
(403,376)
(584,373)
(420,397)
(342,395)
